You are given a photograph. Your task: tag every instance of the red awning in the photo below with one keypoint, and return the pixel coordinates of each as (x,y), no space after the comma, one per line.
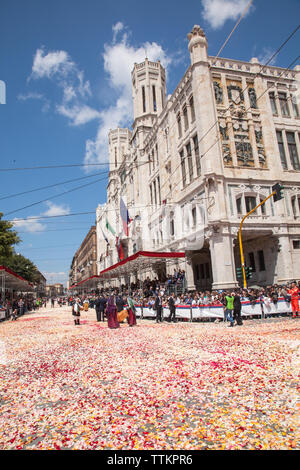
(88,282)
(134,263)
(11,280)
(138,262)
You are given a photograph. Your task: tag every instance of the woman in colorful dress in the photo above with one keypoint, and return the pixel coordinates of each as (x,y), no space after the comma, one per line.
(86,305)
(131,312)
(111,313)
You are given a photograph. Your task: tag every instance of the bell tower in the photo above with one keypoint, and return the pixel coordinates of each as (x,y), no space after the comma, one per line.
(148,92)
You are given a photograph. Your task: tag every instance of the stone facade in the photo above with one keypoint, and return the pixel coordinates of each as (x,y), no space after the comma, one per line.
(197,161)
(84,263)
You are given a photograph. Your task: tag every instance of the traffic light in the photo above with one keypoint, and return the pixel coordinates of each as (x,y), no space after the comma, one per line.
(248,272)
(279,192)
(239,273)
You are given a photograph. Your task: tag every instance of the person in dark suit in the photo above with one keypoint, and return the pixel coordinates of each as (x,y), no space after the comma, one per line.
(172,308)
(97,308)
(158,307)
(102,307)
(237,307)
(120,303)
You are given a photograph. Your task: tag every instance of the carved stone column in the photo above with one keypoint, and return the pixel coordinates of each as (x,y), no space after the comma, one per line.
(189,272)
(222,259)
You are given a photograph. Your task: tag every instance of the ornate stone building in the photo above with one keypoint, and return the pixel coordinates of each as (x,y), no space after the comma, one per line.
(196,162)
(84,263)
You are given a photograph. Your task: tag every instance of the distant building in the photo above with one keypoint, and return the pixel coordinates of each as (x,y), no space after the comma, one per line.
(54,290)
(41,285)
(84,261)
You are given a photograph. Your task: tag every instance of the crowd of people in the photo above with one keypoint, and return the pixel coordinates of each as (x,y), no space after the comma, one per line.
(115,308)
(119,304)
(18,306)
(157,296)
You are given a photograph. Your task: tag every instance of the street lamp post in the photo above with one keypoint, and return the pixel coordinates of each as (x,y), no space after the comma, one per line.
(277,195)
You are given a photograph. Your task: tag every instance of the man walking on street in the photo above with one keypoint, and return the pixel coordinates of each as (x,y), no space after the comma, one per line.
(229,308)
(102,307)
(158,307)
(172,308)
(294,293)
(237,307)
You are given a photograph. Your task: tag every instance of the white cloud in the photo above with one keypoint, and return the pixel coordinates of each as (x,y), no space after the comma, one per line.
(55,209)
(265,55)
(59,67)
(55,274)
(78,115)
(35,96)
(30,224)
(51,63)
(117,28)
(217,12)
(119,58)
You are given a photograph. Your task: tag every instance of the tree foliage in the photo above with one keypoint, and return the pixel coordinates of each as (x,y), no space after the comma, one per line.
(8,238)
(24,267)
(9,258)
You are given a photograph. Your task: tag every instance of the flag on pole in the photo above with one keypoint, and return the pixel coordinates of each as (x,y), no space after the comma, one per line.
(125,217)
(104,237)
(119,249)
(109,227)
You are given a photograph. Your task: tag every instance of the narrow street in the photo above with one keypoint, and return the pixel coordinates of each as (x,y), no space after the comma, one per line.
(153,386)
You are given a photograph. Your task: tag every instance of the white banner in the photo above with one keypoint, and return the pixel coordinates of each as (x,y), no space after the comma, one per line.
(217,311)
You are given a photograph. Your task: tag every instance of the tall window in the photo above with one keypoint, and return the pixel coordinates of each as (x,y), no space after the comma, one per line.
(172,226)
(185,118)
(283,104)
(261,260)
(194,216)
(115,156)
(290,137)
(252,261)
(155,195)
(293,201)
(281,150)
(158,188)
(183,170)
(192,109)
(154,98)
(250,202)
(239,205)
(273,103)
(190,160)
(197,156)
(295,108)
(144,99)
(262,207)
(179,125)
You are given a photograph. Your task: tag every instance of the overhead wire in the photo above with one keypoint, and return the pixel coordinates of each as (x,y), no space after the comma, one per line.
(63,193)
(41,188)
(60,166)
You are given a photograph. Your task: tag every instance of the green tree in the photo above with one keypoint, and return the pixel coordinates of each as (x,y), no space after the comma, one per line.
(24,267)
(8,238)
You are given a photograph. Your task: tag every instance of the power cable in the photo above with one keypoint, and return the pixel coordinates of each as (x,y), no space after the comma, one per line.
(53,197)
(52,185)
(60,166)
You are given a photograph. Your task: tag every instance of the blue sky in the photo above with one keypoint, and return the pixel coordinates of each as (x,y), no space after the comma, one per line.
(66,65)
